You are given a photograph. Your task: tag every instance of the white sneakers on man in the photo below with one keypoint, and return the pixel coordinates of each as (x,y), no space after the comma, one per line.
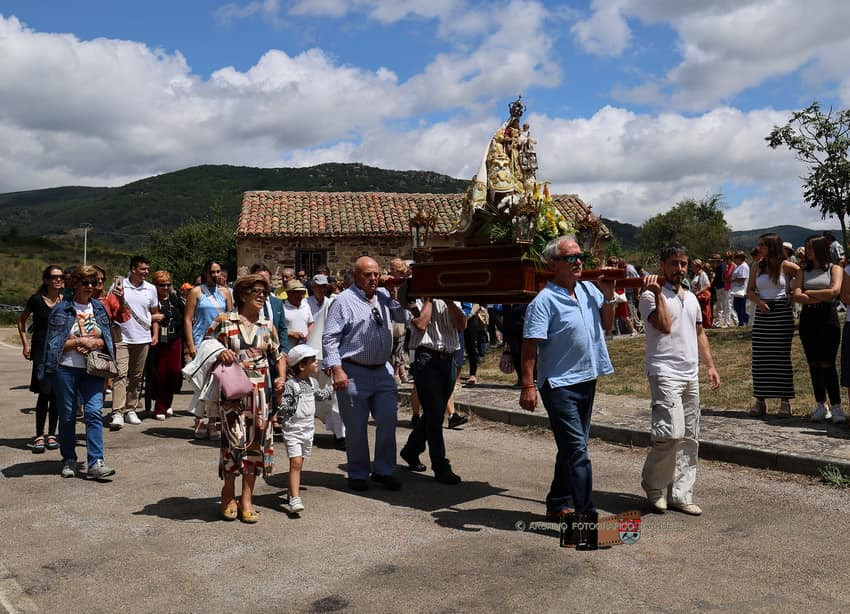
(687,508)
(656,498)
(132,418)
(117,421)
(821,413)
(838,416)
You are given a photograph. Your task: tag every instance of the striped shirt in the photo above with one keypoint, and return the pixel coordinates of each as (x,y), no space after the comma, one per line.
(441,334)
(359,329)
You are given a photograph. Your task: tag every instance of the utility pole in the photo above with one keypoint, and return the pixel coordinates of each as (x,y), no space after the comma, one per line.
(86,227)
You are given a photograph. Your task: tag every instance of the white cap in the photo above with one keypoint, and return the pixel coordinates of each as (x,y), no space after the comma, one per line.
(788,245)
(299,353)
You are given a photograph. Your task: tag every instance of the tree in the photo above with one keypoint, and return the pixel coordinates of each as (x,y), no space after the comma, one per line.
(183,250)
(820,140)
(699,225)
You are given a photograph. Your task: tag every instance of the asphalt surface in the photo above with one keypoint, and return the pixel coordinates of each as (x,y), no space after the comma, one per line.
(150,538)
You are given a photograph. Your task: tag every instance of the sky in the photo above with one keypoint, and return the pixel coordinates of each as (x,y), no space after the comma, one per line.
(635,104)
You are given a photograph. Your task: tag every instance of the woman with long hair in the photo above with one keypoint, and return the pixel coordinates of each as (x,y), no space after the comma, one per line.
(38,306)
(247,446)
(77,326)
(205,302)
(816,289)
(769,288)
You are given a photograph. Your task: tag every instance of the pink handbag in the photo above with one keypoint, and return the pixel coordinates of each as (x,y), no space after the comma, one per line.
(232,381)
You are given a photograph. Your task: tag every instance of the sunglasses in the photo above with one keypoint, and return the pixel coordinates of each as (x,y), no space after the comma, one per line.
(88,283)
(258,291)
(376,315)
(55,278)
(163,285)
(572,258)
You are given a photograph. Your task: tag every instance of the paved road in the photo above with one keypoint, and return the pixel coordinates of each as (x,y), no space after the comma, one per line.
(150,539)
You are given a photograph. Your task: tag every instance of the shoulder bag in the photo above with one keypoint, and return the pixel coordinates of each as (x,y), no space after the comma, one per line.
(100,364)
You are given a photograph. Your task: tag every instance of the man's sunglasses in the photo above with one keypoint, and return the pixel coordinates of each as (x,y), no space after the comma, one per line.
(163,285)
(572,258)
(376,315)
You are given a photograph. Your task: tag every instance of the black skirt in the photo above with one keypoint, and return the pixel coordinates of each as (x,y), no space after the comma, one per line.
(773,373)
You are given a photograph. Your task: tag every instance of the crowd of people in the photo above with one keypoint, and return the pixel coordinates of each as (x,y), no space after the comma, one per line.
(265,362)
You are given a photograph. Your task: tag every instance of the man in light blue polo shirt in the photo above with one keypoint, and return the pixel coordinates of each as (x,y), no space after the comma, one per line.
(564,329)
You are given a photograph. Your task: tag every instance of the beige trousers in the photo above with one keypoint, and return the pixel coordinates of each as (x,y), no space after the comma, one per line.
(126,388)
(671,465)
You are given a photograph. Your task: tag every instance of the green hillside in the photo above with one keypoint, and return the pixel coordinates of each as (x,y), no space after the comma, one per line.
(123,216)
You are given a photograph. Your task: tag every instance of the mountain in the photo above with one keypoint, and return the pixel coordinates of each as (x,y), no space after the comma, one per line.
(123,216)
(741,239)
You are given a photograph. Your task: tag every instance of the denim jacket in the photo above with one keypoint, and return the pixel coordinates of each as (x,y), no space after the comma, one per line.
(59,323)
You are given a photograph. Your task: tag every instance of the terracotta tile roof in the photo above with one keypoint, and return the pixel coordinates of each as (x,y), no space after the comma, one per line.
(350,214)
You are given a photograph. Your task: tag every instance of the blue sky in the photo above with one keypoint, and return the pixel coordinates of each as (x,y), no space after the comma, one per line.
(635,104)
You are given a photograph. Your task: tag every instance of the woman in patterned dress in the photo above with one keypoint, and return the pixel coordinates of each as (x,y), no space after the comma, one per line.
(246,438)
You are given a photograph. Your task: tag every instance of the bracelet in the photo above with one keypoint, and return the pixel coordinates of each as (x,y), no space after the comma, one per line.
(528,386)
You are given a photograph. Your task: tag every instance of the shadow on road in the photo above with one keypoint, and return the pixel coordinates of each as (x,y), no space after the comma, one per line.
(183,508)
(17,443)
(40,467)
(473,520)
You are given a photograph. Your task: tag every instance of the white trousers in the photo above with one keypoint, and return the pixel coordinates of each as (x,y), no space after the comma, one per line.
(724,307)
(328,411)
(671,465)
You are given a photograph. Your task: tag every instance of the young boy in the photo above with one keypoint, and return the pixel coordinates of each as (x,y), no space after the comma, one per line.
(298,412)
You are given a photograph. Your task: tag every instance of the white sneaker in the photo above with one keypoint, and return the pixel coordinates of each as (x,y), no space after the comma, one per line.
(169,412)
(100,470)
(296,506)
(133,418)
(657,499)
(160,417)
(117,421)
(820,413)
(688,508)
(69,469)
(838,416)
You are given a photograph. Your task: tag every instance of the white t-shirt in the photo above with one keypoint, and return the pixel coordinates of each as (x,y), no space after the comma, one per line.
(297,318)
(141,299)
(83,326)
(675,354)
(740,285)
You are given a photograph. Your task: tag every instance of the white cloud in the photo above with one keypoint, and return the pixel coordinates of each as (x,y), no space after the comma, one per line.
(727,46)
(605,32)
(268,10)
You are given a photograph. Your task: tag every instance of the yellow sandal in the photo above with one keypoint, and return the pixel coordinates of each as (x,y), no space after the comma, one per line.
(249,517)
(230,511)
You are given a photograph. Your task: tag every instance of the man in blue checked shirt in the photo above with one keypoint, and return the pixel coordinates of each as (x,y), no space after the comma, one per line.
(357,345)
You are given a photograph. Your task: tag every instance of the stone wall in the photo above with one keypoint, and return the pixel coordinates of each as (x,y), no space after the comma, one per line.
(278,253)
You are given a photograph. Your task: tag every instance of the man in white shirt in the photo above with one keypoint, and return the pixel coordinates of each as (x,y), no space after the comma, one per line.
(675,343)
(131,347)
(299,319)
(326,411)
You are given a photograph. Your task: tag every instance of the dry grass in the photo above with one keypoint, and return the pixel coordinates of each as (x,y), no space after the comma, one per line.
(731,349)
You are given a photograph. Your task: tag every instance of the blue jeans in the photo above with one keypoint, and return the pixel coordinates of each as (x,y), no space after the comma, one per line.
(569,409)
(370,391)
(69,384)
(434,378)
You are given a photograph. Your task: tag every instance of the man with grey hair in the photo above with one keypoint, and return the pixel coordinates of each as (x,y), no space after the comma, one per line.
(564,330)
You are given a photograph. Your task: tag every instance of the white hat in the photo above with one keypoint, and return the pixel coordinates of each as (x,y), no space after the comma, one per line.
(788,245)
(299,353)
(320,280)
